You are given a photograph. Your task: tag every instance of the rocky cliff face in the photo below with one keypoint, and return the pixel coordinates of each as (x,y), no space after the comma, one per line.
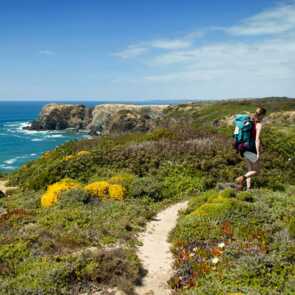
(106,118)
(62,116)
(118,118)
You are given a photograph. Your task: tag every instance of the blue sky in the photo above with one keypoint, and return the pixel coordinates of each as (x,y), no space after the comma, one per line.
(147,49)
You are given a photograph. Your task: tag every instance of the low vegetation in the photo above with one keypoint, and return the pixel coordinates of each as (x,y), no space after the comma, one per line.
(71,245)
(72,224)
(236,243)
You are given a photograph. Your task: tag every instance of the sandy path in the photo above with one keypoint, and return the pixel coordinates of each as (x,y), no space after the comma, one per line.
(3,186)
(155,252)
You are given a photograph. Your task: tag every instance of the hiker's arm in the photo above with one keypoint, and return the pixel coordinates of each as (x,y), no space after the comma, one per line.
(257,140)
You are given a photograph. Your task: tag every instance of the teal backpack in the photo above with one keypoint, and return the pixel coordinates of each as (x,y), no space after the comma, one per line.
(243,134)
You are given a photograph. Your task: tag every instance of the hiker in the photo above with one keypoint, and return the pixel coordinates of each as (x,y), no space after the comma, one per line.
(248,144)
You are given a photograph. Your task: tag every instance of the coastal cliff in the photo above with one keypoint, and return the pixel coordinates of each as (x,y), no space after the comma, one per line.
(118,118)
(62,116)
(105,118)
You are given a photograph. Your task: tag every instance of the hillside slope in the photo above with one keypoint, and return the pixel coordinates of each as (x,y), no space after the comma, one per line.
(73,224)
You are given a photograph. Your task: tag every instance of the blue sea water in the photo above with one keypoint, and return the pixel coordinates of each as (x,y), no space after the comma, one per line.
(18,146)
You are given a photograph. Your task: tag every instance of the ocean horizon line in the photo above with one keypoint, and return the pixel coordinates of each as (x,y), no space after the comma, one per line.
(93,100)
(61,100)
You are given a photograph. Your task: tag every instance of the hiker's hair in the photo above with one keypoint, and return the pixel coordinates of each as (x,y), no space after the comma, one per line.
(260,112)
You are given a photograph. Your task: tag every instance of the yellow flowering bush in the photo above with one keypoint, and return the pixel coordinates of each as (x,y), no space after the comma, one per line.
(83,153)
(69,157)
(78,155)
(116,192)
(105,189)
(52,194)
(98,189)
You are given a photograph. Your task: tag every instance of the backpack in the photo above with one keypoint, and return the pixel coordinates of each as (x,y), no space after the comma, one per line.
(243,139)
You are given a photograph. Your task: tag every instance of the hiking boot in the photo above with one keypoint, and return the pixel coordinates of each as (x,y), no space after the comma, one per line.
(240,180)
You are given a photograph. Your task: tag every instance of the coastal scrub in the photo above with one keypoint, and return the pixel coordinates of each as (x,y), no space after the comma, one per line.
(50,197)
(229,242)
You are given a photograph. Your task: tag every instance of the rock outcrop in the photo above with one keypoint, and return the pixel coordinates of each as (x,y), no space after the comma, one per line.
(120,118)
(105,118)
(62,116)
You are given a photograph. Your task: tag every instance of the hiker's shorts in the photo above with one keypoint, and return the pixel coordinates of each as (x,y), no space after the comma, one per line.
(252,157)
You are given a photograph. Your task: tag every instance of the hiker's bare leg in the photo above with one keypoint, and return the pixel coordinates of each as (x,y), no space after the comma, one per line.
(248,179)
(253,169)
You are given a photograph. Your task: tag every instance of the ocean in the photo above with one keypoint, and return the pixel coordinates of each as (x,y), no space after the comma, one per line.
(18,146)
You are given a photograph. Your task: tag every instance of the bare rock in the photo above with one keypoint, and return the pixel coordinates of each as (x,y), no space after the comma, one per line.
(62,116)
(120,118)
(105,118)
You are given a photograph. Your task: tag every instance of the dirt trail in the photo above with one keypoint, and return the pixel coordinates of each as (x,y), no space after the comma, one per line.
(155,252)
(3,186)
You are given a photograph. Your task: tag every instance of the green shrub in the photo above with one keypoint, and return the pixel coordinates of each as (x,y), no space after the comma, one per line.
(63,274)
(38,276)
(291,228)
(75,197)
(213,210)
(180,179)
(11,255)
(228,193)
(191,228)
(147,187)
(19,199)
(250,240)
(245,196)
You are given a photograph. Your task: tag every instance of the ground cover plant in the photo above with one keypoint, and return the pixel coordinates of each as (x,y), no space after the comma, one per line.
(75,243)
(72,224)
(236,243)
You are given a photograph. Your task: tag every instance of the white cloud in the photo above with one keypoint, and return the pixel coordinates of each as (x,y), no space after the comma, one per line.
(235,66)
(273,59)
(168,44)
(202,75)
(131,52)
(136,50)
(270,58)
(46,52)
(171,44)
(273,21)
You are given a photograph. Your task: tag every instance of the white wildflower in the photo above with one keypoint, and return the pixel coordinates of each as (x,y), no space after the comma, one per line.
(221,245)
(215,260)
